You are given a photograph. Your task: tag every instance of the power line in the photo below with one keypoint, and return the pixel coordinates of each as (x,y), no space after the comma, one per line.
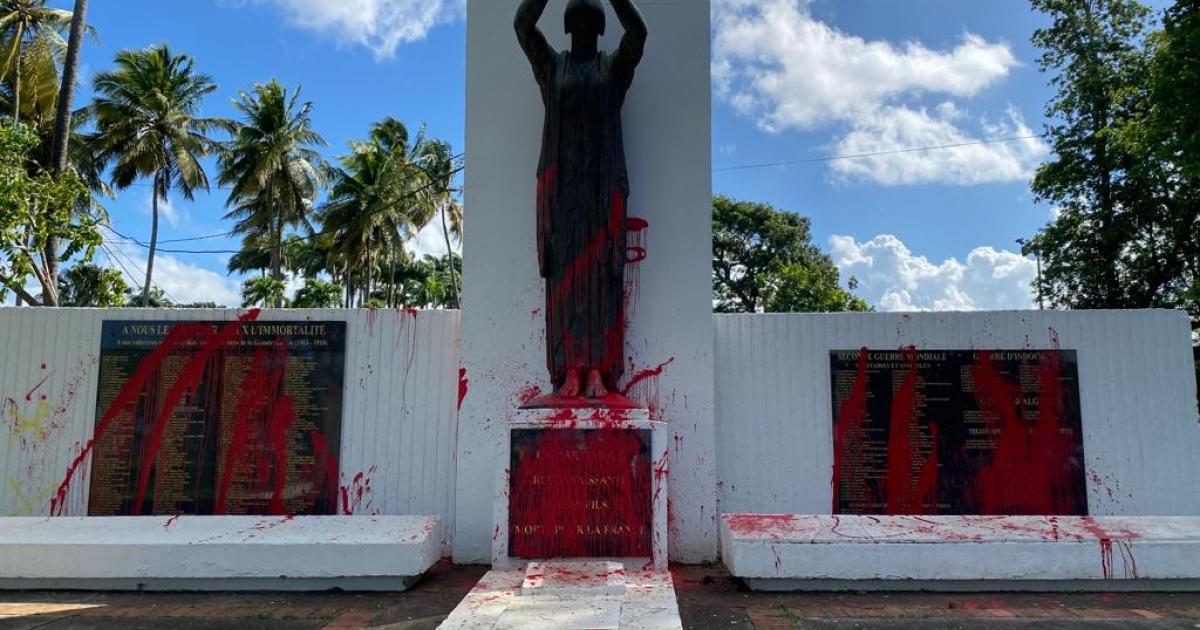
(136,282)
(834,158)
(198,238)
(161,250)
(309,237)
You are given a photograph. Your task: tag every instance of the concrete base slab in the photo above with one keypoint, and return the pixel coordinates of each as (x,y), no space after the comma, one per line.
(218,553)
(574,578)
(217,585)
(972,586)
(495,603)
(801,552)
(562,612)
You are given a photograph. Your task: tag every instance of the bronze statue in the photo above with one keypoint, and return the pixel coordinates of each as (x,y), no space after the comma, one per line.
(582,188)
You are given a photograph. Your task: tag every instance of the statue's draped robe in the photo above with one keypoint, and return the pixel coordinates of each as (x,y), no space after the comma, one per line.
(581,213)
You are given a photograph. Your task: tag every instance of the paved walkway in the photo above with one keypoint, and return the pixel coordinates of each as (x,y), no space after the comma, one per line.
(708,598)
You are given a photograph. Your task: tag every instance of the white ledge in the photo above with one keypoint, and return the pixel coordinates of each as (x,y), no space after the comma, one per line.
(218,552)
(797,552)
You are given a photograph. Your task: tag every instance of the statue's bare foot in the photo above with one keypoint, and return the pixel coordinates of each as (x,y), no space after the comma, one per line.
(595,385)
(570,386)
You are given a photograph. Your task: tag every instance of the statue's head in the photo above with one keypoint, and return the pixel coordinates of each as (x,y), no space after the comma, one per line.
(585,17)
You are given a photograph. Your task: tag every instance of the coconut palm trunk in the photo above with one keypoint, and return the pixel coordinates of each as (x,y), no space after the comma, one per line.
(66,94)
(450,259)
(62,125)
(18,37)
(153,243)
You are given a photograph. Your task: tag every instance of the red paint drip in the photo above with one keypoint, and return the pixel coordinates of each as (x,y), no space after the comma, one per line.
(902,496)
(180,335)
(463,386)
(356,497)
(1028,473)
(847,435)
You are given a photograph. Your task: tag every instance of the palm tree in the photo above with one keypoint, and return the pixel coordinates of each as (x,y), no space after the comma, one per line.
(66,93)
(147,126)
(439,166)
(374,204)
(32,19)
(273,172)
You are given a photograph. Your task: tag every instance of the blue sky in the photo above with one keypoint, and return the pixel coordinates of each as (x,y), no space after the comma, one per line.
(795,80)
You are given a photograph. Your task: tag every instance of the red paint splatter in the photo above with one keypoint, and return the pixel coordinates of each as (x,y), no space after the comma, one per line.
(579,494)
(181,334)
(903,497)
(29,394)
(1030,469)
(463,386)
(774,526)
(848,433)
(356,497)
(259,461)
(645,375)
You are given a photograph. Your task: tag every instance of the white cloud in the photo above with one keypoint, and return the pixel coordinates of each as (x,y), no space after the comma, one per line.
(893,278)
(791,71)
(431,241)
(381,25)
(167,211)
(780,66)
(888,134)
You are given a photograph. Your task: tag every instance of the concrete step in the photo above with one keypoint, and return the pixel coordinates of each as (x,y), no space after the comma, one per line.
(823,552)
(569,596)
(199,553)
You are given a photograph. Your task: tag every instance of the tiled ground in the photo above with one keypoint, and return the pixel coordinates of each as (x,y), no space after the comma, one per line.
(708,598)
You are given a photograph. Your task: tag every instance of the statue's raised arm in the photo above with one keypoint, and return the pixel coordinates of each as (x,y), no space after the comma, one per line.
(532,41)
(633,42)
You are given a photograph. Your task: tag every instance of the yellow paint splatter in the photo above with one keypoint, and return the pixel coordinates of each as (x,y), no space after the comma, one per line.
(27,504)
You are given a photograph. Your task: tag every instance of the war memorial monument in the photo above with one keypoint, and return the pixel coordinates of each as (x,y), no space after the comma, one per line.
(585,419)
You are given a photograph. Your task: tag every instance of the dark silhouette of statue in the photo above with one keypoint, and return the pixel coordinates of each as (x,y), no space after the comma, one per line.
(582,188)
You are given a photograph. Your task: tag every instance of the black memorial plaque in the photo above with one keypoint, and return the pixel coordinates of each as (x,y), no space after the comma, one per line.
(580,494)
(957,432)
(208,418)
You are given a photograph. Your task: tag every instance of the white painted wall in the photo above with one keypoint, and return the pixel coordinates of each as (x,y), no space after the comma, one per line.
(1137,390)
(774,423)
(667,121)
(399,412)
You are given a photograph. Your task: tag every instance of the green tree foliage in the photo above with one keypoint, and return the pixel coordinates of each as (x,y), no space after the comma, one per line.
(147,125)
(91,286)
(424,284)
(272,169)
(21,22)
(439,165)
(318,293)
(376,202)
(764,260)
(1125,236)
(264,292)
(36,207)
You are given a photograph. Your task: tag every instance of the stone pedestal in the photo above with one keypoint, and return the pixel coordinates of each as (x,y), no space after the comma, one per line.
(583,484)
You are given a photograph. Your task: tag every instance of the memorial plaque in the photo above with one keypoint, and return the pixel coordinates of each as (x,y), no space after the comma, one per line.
(218,418)
(580,494)
(988,432)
